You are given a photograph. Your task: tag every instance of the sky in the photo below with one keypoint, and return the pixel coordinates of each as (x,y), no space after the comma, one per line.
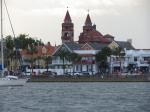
(42,19)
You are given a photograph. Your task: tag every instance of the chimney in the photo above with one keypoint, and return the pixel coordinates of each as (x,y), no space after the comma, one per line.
(129,40)
(49,44)
(94,27)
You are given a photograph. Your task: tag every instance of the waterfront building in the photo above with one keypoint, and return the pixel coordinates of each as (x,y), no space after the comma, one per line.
(87,63)
(138,59)
(39,56)
(90,42)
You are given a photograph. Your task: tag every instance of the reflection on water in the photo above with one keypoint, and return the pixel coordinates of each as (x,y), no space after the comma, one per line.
(76,97)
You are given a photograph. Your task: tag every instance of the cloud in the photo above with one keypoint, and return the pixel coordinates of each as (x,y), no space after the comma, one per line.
(28,5)
(43,18)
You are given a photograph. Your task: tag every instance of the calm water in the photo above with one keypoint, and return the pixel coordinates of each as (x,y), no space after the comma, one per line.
(76,97)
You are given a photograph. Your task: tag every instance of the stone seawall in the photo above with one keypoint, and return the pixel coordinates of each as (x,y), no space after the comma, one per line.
(108,78)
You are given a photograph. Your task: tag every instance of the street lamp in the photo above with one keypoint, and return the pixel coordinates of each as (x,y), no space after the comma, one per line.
(45,51)
(122,53)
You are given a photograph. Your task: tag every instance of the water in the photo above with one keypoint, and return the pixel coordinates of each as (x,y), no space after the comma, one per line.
(76,97)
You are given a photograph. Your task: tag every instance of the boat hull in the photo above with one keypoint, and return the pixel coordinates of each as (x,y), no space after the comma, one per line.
(19,82)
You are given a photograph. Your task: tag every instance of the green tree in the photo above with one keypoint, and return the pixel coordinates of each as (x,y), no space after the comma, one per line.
(14,45)
(9,53)
(101,58)
(119,52)
(64,55)
(32,49)
(74,57)
(47,59)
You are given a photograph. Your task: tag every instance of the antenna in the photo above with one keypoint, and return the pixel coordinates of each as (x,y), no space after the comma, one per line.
(88,11)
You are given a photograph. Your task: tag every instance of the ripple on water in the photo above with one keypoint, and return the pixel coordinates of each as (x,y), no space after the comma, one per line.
(76,97)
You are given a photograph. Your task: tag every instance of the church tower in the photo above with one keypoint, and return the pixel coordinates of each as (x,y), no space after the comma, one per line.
(88,24)
(67,33)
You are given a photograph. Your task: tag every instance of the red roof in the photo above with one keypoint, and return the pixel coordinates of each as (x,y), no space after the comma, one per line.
(50,49)
(95,36)
(67,17)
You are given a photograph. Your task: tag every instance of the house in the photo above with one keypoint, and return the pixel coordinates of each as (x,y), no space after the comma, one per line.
(38,56)
(87,63)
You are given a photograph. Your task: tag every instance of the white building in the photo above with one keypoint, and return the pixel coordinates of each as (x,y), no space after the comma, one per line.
(135,60)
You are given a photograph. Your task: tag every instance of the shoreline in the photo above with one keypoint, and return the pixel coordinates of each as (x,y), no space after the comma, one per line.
(89,79)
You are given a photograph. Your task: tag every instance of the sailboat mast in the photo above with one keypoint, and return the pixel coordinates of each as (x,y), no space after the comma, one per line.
(2,50)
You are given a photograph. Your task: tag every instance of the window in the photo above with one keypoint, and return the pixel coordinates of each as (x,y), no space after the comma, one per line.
(135,58)
(66,34)
(77,67)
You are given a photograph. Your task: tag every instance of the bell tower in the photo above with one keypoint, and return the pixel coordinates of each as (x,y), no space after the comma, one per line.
(67,33)
(88,24)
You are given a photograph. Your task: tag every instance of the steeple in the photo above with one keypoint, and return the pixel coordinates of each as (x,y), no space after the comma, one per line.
(67,18)
(67,32)
(88,21)
(88,24)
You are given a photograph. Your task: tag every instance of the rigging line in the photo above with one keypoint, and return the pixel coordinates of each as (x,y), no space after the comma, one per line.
(9,19)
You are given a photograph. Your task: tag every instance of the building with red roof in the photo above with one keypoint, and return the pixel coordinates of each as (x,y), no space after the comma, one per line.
(90,34)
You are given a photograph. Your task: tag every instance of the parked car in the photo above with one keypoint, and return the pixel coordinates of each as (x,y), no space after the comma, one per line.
(85,73)
(77,73)
(26,73)
(49,73)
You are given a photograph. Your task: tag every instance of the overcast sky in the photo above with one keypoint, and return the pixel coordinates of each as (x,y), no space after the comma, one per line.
(42,18)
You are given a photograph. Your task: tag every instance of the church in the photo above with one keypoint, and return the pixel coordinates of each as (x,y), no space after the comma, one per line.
(89,43)
(89,33)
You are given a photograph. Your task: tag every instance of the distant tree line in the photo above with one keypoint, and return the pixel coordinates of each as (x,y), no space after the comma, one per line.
(13,45)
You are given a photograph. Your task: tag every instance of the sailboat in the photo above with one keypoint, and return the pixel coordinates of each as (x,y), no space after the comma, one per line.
(8,80)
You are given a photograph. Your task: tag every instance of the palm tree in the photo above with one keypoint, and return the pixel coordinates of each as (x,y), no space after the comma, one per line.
(101,58)
(9,49)
(31,51)
(48,60)
(119,52)
(63,54)
(74,57)
(20,42)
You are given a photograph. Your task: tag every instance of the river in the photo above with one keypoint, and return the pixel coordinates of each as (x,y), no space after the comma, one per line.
(76,97)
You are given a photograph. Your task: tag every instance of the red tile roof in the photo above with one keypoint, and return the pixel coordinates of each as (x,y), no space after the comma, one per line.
(93,36)
(50,49)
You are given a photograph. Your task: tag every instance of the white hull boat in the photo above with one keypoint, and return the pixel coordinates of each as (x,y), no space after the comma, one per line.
(12,81)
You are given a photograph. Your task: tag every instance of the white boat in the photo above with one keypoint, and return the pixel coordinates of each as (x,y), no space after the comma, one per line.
(12,81)
(8,80)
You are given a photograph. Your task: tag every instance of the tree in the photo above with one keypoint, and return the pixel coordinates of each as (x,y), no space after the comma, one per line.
(48,60)
(64,55)
(9,52)
(31,51)
(119,52)
(14,45)
(74,57)
(101,58)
